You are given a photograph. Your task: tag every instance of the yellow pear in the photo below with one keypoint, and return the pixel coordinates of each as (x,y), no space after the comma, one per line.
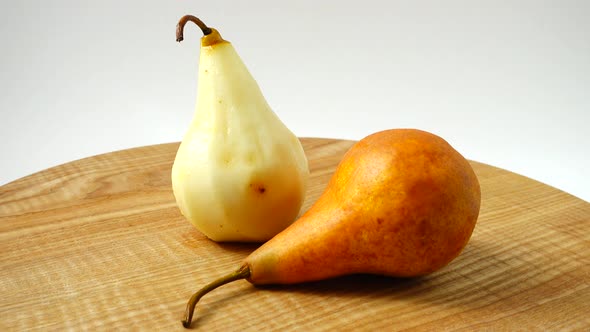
(239,174)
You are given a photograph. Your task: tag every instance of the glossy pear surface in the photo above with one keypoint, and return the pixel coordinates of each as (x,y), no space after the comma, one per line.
(401,203)
(239,174)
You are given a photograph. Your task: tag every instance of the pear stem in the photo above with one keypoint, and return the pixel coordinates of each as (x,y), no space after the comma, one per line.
(186,18)
(242,273)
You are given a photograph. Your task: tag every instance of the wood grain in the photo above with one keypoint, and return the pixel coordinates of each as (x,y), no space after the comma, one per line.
(99,244)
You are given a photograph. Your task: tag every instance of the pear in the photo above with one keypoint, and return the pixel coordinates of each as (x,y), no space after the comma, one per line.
(239,173)
(401,203)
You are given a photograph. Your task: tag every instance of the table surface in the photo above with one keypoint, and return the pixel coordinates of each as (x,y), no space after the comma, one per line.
(506,83)
(99,244)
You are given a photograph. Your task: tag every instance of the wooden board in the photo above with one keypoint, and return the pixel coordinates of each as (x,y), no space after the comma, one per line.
(99,244)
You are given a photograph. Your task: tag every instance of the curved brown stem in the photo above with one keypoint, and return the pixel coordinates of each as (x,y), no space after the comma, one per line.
(242,273)
(186,18)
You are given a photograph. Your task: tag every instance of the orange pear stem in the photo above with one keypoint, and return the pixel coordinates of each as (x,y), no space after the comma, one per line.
(190,18)
(242,273)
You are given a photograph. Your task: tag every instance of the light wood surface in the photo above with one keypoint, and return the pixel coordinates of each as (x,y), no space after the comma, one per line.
(99,244)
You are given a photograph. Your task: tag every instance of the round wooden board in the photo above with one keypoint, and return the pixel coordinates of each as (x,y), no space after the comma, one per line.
(99,244)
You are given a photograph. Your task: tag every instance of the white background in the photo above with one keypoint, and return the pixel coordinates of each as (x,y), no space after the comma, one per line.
(507,83)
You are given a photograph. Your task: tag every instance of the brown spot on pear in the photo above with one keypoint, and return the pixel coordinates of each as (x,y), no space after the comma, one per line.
(258,188)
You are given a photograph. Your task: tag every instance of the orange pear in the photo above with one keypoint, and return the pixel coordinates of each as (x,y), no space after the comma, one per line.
(401,203)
